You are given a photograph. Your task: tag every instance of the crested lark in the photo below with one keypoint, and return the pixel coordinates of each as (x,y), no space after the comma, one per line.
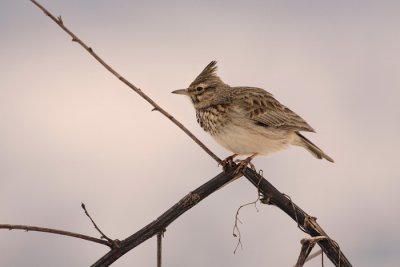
(246,120)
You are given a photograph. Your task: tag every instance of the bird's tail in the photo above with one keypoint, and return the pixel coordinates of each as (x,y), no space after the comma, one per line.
(313,149)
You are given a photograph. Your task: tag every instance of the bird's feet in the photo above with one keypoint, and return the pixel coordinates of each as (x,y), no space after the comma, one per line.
(243,163)
(226,162)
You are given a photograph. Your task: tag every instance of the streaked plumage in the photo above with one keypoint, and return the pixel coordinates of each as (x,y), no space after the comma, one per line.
(246,120)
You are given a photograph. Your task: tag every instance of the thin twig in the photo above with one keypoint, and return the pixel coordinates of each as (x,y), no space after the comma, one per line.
(60,23)
(159,248)
(102,235)
(270,194)
(273,196)
(316,254)
(54,231)
(307,244)
(165,219)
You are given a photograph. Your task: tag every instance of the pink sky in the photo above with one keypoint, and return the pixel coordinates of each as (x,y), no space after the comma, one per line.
(72,133)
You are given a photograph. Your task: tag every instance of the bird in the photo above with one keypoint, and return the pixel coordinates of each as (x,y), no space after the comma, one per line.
(246,120)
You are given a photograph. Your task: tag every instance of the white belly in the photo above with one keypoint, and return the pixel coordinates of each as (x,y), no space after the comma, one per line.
(260,140)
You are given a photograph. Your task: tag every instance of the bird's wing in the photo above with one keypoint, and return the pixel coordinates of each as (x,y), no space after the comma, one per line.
(265,110)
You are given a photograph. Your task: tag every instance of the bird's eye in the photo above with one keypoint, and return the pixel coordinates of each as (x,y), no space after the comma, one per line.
(199,89)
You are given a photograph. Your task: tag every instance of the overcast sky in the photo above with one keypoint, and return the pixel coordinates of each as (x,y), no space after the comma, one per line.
(70,132)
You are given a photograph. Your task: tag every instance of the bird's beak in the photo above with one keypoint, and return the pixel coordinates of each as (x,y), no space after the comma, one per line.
(181,92)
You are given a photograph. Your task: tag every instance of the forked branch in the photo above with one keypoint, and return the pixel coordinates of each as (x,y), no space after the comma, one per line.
(162,222)
(305,222)
(270,194)
(102,235)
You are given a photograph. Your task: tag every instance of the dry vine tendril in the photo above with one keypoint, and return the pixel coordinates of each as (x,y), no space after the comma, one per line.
(268,191)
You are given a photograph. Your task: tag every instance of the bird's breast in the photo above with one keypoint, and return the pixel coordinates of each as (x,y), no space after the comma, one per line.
(213,119)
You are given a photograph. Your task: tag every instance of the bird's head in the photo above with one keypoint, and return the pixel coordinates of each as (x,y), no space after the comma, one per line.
(203,90)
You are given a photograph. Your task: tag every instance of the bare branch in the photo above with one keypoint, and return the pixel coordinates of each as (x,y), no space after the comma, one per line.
(54,231)
(307,223)
(270,194)
(60,23)
(162,222)
(159,248)
(102,235)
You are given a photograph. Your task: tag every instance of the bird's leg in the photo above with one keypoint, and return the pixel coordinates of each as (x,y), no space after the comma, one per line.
(243,163)
(227,161)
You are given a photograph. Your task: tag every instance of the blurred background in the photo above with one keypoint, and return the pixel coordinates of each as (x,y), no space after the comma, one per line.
(71,132)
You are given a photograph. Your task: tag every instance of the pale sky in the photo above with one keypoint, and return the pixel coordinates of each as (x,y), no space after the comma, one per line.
(72,133)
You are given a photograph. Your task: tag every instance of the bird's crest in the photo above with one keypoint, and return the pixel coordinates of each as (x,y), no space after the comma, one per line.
(208,75)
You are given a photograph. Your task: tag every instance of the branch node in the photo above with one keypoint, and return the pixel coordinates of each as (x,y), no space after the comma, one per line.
(60,21)
(116,243)
(266,200)
(190,199)
(267,189)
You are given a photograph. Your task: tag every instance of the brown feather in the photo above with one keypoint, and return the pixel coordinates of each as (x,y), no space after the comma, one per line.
(265,110)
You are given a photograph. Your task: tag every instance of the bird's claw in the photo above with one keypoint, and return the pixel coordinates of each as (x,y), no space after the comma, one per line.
(226,162)
(243,164)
